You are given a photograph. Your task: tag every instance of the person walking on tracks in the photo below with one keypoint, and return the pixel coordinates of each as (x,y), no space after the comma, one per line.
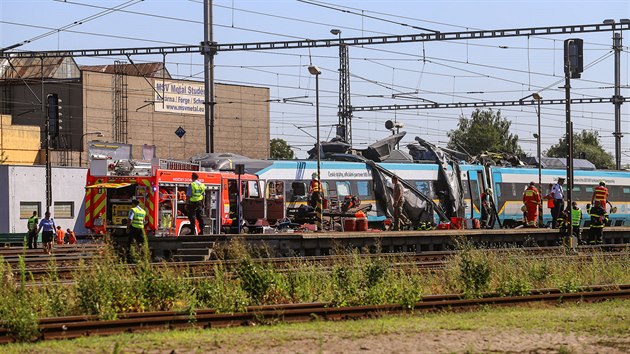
(399,201)
(486,208)
(531,199)
(47,224)
(135,227)
(558,202)
(600,195)
(32,231)
(195,194)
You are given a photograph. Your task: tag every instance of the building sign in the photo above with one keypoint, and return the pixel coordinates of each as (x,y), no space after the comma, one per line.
(179,97)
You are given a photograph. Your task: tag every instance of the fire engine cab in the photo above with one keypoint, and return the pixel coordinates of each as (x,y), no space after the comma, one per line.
(160,186)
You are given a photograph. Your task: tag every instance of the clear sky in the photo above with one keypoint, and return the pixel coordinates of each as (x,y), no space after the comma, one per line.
(452,71)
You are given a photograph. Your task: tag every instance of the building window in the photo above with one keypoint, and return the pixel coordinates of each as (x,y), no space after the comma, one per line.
(27,209)
(64,210)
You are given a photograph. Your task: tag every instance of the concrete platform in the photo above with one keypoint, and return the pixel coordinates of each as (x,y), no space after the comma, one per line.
(315,244)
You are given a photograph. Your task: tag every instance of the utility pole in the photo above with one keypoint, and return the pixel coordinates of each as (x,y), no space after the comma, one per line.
(46,142)
(573,67)
(344,130)
(209,50)
(617,99)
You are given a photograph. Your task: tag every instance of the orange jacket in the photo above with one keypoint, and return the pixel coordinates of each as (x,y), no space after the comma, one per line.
(600,194)
(531,195)
(60,236)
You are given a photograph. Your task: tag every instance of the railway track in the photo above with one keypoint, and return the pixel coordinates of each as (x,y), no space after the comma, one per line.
(67,266)
(79,326)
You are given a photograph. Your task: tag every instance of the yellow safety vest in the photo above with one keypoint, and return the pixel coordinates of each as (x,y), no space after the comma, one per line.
(138,217)
(198,190)
(32,223)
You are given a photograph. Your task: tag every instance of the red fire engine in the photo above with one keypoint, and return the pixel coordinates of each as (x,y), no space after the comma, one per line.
(160,187)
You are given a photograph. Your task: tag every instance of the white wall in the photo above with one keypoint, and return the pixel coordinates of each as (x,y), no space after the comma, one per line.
(28,184)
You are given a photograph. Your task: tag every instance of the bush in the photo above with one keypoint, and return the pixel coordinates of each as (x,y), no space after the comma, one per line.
(221,293)
(474,273)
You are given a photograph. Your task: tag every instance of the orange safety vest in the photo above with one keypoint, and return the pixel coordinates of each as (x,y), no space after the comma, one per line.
(601,194)
(315,186)
(531,195)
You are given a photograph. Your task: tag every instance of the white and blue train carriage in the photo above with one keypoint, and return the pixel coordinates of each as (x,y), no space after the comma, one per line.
(509,184)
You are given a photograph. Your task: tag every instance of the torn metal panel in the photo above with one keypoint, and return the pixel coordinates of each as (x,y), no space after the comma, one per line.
(451,193)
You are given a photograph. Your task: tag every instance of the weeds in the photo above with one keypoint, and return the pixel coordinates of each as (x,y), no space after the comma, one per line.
(109,286)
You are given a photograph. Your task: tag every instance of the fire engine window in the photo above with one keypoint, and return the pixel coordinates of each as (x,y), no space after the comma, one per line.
(343,188)
(275,189)
(253,189)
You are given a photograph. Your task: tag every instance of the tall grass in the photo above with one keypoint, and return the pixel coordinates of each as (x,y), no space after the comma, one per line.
(109,286)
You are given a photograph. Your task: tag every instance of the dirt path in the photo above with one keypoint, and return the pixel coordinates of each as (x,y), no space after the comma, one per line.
(436,342)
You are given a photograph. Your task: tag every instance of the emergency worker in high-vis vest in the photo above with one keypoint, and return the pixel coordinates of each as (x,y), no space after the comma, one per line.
(600,195)
(195,194)
(531,199)
(32,230)
(135,227)
(576,219)
(315,188)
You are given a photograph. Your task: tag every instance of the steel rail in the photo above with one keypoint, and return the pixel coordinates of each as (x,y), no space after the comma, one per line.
(79,326)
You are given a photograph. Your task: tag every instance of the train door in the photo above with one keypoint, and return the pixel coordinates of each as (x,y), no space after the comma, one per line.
(475,188)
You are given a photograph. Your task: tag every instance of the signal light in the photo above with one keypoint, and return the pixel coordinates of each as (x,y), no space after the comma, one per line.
(54,114)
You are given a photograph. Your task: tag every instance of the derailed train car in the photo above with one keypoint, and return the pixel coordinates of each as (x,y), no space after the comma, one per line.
(434,191)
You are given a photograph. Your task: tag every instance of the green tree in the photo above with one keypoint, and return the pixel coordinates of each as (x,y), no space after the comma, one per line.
(587,143)
(279,149)
(484,131)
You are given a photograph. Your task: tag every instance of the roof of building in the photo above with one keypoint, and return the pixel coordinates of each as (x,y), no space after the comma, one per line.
(35,68)
(144,69)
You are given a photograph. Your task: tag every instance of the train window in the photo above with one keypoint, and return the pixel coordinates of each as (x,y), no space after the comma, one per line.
(497,190)
(474,187)
(298,189)
(465,188)
(364,188)
(343,188)
(325,188)
(589,189)
(626,190)
(615,192)
(424,187)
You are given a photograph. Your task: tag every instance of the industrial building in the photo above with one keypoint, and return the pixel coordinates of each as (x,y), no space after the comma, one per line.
(129,103)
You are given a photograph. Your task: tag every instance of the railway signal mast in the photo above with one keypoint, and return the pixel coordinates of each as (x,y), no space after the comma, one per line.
(573,67)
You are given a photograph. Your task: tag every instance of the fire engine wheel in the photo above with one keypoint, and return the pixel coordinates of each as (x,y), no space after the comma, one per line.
(244,230)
